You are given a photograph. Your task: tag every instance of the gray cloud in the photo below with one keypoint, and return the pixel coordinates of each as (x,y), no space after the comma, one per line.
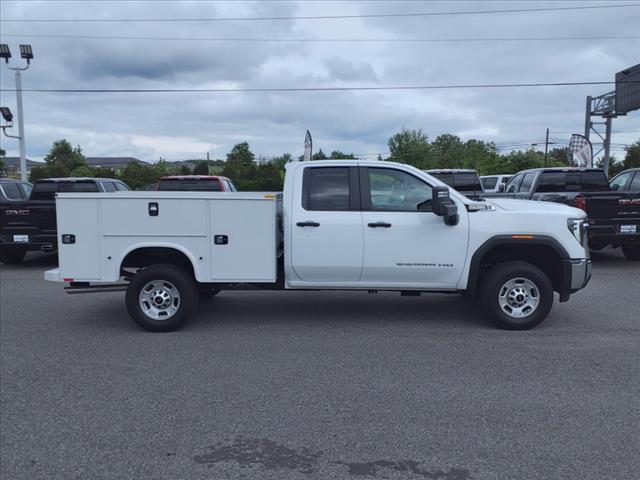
(186,125)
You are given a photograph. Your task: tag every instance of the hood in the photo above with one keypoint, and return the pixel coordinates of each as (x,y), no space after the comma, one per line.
(515,205)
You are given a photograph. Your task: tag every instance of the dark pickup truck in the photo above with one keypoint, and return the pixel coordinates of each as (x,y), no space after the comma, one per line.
(31,225)
(613,210)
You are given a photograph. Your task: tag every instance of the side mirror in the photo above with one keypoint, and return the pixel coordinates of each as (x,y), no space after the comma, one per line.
(501,188)
(615,187)
(443,206)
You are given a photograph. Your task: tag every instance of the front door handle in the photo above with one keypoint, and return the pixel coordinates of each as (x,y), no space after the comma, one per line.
(308,224)
(379,225)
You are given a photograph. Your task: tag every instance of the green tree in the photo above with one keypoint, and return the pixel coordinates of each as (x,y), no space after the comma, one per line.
(338,155)
(562,155)
(632,156)
(138,175)
(83,171)
(447,151)
(64,157)
(241,167)
(202,168)
(319,155)
(410,146)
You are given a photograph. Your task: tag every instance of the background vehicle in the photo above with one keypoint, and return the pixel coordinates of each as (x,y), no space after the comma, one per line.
(494,183)
(339,224)
(464,181)
(614,215)
(626,181)
(31,225)
(195,183)
(14,190)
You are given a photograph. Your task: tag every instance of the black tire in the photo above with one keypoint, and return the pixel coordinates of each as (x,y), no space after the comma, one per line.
(206,292)
(631,252)
(12,257)
(168,282)
(527,282)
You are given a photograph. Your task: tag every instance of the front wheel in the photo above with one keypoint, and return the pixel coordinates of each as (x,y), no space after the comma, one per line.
(631,252)
(161,298)
(12,257)
(517,295)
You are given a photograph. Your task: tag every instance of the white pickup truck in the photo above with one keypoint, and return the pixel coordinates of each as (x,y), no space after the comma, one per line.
(347,225)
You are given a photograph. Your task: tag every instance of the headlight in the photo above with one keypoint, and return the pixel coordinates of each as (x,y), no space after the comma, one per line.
(577,228)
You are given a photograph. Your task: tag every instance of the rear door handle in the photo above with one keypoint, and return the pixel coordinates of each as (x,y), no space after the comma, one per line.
(308,224)
(379,225)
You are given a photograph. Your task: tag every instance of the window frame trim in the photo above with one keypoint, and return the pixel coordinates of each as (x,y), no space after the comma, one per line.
(365,189)
(354,188)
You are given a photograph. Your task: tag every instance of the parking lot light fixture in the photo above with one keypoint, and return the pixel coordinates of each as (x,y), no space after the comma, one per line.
(5,52)
(26,53)
(6,114)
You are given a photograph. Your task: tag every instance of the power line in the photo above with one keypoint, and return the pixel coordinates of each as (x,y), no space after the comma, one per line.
(327,40)
(308,89)
(319,17)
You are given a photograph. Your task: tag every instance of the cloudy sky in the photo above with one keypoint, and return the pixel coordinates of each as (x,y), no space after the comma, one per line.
(180,125)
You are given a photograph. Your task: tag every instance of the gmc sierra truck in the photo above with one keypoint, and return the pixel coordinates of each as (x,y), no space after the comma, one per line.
(338,225)
(613,210)
(31,225)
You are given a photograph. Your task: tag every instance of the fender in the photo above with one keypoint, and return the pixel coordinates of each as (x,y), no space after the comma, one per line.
(515,239)
(171,246)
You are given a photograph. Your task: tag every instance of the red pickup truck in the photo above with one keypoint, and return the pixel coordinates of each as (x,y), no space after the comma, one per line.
(195,183)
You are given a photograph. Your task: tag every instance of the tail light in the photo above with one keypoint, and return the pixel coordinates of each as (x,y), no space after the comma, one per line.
(581,203)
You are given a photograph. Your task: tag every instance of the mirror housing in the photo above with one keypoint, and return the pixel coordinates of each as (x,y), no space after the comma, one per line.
(443,206)
(501,187)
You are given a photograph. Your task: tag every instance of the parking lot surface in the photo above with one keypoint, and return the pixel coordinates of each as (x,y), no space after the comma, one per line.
(316,385)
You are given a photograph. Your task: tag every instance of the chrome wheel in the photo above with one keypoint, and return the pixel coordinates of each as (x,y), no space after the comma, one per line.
(519,297)
(159,299)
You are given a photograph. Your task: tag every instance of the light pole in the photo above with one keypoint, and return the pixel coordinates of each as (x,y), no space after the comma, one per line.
(27,54)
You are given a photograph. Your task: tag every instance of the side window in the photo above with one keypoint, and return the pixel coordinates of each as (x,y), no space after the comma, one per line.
(26,189)
(489,183)
(11,191)
(109,186)
(327,189)
(513,184)
(233,187)
(121,187)
(621,180)
(396,191)
(635,183)
(527,181)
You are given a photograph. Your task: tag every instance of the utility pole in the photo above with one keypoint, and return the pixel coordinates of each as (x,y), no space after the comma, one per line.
(23,154)
(546,147)
(607,145)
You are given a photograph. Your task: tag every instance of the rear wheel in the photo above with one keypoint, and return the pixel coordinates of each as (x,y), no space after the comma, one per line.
(12,257)
(517,295)
(631,252)
(161,298)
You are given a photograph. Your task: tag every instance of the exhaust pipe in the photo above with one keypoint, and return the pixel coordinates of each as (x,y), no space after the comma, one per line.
(48,248)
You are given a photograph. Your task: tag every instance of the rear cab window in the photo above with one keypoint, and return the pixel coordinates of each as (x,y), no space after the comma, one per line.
(190,185)
(467,182)
(47,190)
(573,181)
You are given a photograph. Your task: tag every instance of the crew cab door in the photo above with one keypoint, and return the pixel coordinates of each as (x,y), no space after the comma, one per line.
(404,247)
(326,226)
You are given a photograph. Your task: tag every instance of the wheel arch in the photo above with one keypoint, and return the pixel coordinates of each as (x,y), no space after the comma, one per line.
(543,251)
(146,254)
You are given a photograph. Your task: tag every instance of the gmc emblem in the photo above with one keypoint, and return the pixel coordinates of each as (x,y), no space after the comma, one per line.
(633,201)
(16,212)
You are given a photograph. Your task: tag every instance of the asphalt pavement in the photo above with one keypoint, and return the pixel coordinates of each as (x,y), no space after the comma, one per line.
(319,385)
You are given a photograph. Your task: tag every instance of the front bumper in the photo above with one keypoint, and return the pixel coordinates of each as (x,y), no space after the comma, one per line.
(576,276)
